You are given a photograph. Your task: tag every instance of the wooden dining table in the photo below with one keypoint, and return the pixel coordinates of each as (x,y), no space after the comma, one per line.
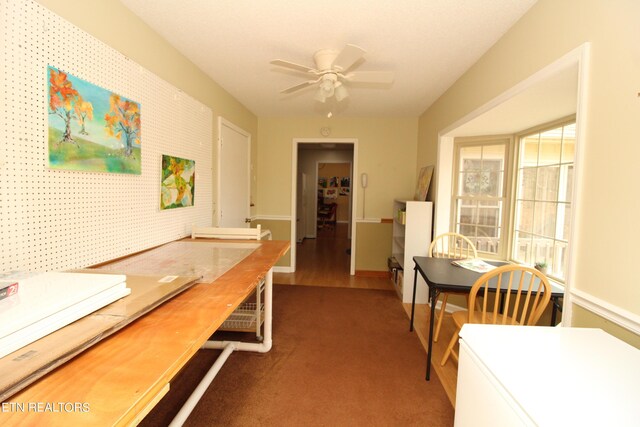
(443,276)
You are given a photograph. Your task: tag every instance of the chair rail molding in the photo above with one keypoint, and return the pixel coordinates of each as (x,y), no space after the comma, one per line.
(606,310)
(271,217)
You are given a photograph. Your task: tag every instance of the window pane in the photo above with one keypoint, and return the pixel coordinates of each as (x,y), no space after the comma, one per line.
(467,211)
(524,216)
(550,147)
(527,179)
(566,183)
(544,219)
(491,184)
(488,239)
(489,213)
(542,250)
(529,151)
(467,230)
(470,158)
(568,143)
(522,247)
(493,157)
(547,183)
(564,221)
(469,183)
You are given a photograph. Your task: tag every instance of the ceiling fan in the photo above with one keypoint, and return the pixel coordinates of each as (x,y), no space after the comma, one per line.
(333,71)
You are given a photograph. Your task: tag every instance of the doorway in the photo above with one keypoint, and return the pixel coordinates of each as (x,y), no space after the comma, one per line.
(339,234)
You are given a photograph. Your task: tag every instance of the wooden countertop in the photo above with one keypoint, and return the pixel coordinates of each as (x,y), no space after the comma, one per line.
(120,378)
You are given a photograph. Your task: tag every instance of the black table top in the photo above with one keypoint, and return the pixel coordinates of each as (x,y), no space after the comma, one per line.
(445,276)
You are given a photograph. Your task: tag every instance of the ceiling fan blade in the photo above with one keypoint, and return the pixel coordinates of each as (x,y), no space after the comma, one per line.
(299,86)
(292,66)
(348,56)
(370,77)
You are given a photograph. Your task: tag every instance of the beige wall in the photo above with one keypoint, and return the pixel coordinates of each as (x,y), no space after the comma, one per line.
(386,152)
(113,24)
(607,213)
(373,246)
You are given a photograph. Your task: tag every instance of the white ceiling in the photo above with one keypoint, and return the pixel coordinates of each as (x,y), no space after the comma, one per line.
(428,44)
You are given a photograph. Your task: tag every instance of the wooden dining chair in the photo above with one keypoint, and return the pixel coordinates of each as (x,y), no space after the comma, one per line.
(449,245)
(516,300)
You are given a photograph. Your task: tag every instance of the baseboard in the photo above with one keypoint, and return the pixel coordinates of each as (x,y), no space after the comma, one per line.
(283,269)
(372,273)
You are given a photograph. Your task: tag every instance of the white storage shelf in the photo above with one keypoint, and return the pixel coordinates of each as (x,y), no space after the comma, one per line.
(249,316)
(411,239)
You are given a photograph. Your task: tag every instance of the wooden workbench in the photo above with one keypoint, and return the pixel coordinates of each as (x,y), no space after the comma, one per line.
(119,380)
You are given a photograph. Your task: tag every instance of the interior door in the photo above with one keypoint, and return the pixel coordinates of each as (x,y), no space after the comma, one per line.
(234,185)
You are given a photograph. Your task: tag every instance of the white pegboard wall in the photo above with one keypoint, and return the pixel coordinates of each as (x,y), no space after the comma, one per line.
(56,219)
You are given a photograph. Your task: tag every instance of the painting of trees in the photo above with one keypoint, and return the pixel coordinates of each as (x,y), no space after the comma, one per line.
(123,122)
(100,129)
(63,99)
(84,112)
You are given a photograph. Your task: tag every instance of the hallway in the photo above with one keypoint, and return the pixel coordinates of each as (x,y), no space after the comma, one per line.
(324,261)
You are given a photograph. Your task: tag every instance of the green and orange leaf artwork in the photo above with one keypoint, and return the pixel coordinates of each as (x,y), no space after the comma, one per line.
(178,182)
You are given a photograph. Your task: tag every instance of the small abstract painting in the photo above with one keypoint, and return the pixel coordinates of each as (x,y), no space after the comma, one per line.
(178,182)
(91,128)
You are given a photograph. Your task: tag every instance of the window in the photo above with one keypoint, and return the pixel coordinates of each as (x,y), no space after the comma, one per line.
(543,199)
(479,198)
(529,223)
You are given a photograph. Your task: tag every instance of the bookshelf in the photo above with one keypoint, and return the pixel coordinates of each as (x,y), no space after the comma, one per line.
(411,237)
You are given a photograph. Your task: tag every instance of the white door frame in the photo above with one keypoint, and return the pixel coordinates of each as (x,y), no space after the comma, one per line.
(224,122)
(294,186)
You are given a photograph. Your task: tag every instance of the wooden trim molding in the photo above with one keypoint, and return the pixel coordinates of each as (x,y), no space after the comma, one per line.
(613,313)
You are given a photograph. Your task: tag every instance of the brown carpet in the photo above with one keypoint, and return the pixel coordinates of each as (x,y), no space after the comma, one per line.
(340,357)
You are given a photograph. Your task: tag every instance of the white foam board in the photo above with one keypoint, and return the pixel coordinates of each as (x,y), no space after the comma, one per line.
(49,301)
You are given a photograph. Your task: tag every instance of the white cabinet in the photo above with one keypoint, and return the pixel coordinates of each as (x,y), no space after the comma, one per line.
(411,237)
(545,376)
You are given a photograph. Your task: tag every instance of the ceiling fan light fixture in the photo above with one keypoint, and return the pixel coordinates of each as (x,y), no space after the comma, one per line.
(340,92)
(320,95)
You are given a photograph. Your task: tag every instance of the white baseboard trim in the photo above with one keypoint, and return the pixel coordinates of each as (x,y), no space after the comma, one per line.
(613,313)
(283,269)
